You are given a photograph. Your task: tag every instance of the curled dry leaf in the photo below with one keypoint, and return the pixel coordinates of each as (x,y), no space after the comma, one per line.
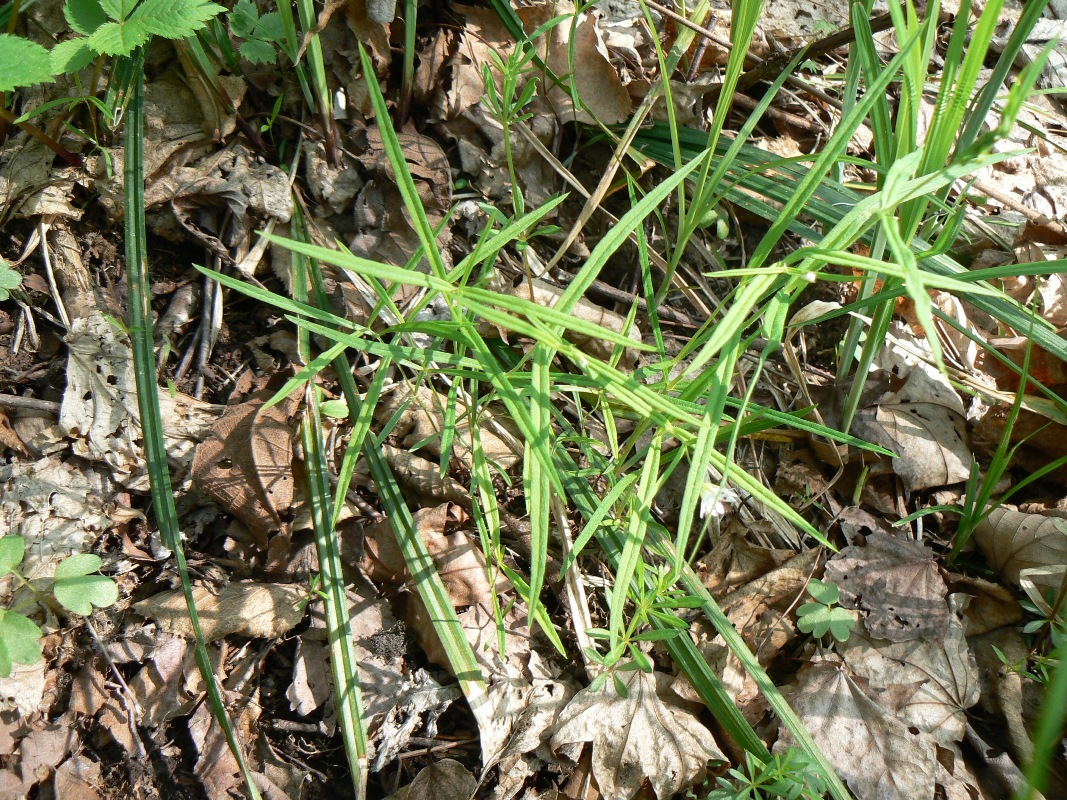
(423,478)
(423,420)
(923,423)
(897,583)
(446,779)
(1030,550)
(245,465)
(254,610)
(459,562)
(637,737)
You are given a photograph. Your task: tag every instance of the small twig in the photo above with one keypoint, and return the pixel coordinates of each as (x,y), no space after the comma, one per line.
(14,401)
(73,159)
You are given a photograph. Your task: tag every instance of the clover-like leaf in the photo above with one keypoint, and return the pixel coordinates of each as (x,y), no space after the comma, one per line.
(824,592)
(18,641)
(12,549)
(819,618)
(78,589)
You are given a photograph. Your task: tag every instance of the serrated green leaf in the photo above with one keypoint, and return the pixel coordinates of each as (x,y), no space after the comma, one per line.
(823,592)
(259,52)
(118,10)
(18,641)
(243,19)
(270,27)
(175,19)
(80,594)
(118,38)
(71,55)
(22,63)
(84,16)
(12,549)
(77,565)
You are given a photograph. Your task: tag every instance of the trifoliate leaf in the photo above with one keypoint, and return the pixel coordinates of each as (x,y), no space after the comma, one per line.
(18,641)
(22,63)
(259,52)
(71,55)
(79,594)
(84,16)
(78,590)
(818,619)
(77,565)
(243,19)
(12,548)
(823,592)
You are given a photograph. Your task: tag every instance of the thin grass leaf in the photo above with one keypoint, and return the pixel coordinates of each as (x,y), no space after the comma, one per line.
(343,664)
(144,361)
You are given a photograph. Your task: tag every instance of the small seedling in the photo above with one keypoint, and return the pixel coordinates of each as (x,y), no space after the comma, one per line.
(9,279)
(823,615)
(77,586)
(789,775)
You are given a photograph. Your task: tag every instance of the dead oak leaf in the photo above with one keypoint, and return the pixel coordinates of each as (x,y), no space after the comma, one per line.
(637,737)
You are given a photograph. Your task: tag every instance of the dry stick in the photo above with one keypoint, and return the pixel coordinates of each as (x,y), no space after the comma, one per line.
(32,403)
(1032,215)
(73,159)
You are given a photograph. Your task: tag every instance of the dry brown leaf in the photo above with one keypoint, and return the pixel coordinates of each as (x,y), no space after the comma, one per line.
(876,754)
(940,672)
(253,610)
(423,478)
(592,74)
(159,685)
(1030,550)
(77,779)
(446,779)
(984,605)
(637,738)
(459,562)
(923,423)
(897,583)
(385,231)
(245,465)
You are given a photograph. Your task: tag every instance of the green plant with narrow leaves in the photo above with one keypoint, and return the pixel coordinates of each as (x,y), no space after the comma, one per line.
(76,586)
(784,776)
